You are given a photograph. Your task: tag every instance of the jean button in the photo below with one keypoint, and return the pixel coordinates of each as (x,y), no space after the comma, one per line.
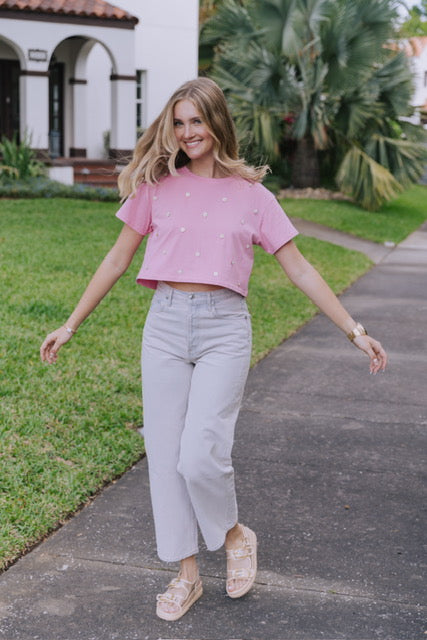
(191,296)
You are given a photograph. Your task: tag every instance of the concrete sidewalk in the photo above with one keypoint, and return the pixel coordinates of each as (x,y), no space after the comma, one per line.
(329,463)
(375,251)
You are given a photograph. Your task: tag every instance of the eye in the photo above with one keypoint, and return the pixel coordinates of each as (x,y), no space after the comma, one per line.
(197,121)
(177,123)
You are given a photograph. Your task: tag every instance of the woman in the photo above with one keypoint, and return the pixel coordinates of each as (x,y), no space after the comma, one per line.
(203,208)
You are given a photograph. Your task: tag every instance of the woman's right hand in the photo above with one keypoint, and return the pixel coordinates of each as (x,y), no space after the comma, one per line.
(53,343)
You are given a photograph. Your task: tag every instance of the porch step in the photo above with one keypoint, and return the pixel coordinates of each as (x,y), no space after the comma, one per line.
(96,173)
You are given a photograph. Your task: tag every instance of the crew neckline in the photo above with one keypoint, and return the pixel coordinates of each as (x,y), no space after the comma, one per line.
(196,175)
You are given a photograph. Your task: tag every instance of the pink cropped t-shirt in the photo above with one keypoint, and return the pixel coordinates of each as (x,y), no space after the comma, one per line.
(203,229)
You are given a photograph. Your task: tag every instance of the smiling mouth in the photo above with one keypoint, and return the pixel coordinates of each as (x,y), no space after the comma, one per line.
(193,143)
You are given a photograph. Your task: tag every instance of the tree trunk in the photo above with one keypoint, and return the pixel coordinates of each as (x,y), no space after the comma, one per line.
(305,165)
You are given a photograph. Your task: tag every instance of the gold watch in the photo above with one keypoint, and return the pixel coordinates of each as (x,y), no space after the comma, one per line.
(359,330)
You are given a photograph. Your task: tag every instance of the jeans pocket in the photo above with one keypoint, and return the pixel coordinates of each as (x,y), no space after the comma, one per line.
(233,306)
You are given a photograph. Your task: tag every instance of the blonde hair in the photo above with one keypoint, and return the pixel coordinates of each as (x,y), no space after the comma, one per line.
(157,152)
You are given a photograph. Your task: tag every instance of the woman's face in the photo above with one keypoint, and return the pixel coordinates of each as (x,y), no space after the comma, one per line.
(191,132)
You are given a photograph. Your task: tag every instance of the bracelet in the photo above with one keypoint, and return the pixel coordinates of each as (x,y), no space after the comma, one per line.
(359,330)
(70,330)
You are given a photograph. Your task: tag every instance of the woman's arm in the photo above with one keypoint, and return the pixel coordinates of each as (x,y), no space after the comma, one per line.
(304,276)
(112,267)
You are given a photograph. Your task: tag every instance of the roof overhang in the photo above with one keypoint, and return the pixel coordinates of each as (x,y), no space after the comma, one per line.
(93,12)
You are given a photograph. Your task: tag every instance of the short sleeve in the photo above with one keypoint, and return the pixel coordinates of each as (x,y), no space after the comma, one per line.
(136,211)
(276,229)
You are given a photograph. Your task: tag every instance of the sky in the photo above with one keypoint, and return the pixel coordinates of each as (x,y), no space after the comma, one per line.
(409,3)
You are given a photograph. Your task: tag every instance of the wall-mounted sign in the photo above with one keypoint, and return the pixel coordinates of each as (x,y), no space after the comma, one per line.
(38,55)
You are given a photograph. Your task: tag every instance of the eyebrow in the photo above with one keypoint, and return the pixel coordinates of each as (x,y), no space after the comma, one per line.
(193,118)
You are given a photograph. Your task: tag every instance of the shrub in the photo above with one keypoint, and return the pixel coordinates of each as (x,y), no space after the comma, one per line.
(41,187)
(18,160)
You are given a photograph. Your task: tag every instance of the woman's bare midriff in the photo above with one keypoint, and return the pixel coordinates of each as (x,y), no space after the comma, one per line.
(193,286)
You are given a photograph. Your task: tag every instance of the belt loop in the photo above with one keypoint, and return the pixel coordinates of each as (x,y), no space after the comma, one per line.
(171,294)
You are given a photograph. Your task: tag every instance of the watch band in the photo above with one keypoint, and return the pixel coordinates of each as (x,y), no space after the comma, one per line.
(359,330)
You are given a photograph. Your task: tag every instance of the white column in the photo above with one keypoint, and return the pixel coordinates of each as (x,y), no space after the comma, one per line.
(34,108)
(79,117)
(123,118)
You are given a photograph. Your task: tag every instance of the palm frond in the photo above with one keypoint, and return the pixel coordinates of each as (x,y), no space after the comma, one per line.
(277,18)
(259,75)
(355,110)
(414,132)
(260,89)
(314,108)
(232,21)
(395,82)
(258,127)
(405,159)
(353,40)
(367,181)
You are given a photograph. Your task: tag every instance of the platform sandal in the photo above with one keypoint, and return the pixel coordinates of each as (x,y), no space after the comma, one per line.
(180,600)
(247,552)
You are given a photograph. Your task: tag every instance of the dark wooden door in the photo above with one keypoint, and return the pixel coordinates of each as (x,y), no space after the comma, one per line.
(9,98)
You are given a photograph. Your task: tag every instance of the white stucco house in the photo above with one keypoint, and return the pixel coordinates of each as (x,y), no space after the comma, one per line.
(73,70)
(416,50)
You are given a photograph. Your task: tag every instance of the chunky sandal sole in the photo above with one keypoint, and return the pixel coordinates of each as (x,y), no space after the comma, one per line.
(176,615)
(252,540)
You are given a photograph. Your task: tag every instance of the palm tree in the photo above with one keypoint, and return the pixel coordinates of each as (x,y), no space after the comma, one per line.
(322,65)
(377,154)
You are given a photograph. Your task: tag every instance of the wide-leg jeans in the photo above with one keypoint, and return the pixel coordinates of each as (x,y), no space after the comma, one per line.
(195,360)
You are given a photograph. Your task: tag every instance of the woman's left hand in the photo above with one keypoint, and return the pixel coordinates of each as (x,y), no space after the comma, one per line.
(374,351)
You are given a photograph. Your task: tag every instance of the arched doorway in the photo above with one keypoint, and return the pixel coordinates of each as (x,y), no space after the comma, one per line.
(79,97)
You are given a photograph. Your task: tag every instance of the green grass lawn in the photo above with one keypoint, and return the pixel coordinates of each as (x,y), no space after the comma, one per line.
(68,429)
(396,220)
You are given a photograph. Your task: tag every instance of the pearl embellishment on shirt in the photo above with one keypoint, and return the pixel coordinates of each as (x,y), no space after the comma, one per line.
(224,199)
(205,214)
(168,214)
(221,235)
(215,273)
(188,194)
(255,210)
(182,229)
(197,254)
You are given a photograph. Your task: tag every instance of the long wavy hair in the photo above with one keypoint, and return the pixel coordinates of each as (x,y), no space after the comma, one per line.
(157,152)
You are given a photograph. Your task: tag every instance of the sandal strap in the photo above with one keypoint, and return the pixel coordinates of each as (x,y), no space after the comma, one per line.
(241,552)
(170,598)
(236,574)
(174,598)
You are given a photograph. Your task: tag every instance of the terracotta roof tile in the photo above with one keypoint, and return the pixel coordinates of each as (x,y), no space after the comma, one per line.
(82,8)
(413,47)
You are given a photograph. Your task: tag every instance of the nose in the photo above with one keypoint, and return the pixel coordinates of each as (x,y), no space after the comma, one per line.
(188,130)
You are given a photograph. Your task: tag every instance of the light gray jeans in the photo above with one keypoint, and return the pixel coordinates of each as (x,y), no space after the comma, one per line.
(195,361)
